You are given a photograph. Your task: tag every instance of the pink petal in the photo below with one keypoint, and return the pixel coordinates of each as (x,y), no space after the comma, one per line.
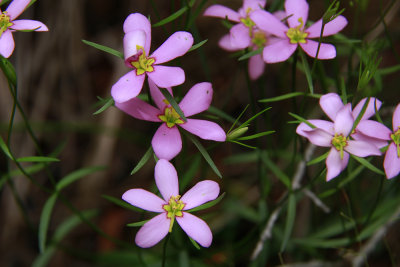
(267,22)
(279,51)
(326,51)
(220,11)
(225,43)
(132,40)
(254,4)
(7,44)
(361,148)
(196,228)
(137,21)
(139,109)
(373,104)
(319,137)
(303,129)
(166,142)
(280,14)
(175,46)
(127,87)
(240,37)
(391,163)
(334,164)
(331,103)
(256,67)
(371,140)
(157,96)
(330,28)
(374,129)
(296,9)
(26,24)
(197,100)
(165,76)
(201,193)
(16,7)
(166,179)
(396,118)
(144,200)
(152,231)
(344,121)
(205,129)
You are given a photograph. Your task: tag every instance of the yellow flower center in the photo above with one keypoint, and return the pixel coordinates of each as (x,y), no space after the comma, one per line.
(296,34)
(174,208)
(396,139)
(247,21)
(143,63)
(170,117)
(259,39)
(339,142)
(4,22)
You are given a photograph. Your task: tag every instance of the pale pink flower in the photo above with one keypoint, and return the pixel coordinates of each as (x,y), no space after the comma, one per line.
(296,34)
(137,41)
(171,207)
(336,136)
(167,142)
(8,25)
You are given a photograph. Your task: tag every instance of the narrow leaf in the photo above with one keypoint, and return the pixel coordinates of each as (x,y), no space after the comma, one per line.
(291,216)
(302,120)
(194,243)
(249,137)
(318,159)
(276,170)
(242,144)
(368,165)
(105,49)
(8,70)
(198,45)
(208,204)
(307,71)
(251,53)
(45,220)
(173,103)
(76,175)
(173,17)
(107,104)
(5,149)
(143,160)
(288,96)
(37,159)
(254,117)
(137,224)
(121,203)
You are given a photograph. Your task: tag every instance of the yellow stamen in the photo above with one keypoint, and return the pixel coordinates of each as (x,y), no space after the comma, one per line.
(259,39)
(4,22)
(396,139)
(297,34)
(171,117)
(339,142)
(174,208)
(143,63)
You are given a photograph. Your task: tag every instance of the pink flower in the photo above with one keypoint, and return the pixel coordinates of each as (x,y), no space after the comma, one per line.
(172,207)
(137,41)
(8,24)
(336,136)
(296,34)
(167,142)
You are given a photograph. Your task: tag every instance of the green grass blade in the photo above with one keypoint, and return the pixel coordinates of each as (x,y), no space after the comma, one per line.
(368,165)
(173,103)
(121,203)
(276,170)
(288,96)
(171,18)
(45,220)
(5,149)
(198,45)
(37,159)
(143,160)
(76,175)
(109,102)
(105,49)
(307,71)
(137,224)
(251,53)
(290,218)
(249,137)
(318,159)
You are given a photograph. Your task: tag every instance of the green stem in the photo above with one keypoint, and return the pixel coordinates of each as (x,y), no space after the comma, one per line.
(165,250)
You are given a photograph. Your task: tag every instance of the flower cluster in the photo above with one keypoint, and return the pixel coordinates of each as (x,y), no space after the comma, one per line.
(344,138)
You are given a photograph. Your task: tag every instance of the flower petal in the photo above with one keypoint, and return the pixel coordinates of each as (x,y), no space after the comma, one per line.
(166,179)
(379,143)
(374,129)
(267,22)
(240,37)
(254,4)
(330,28)
(220,11)
(127,87)
(391,163)
(373,104)
(361,148)
(256,67)
(165,76)
(144,200)
(344,121)
(225,43)
(7,44)
(157,96)
(139,109)
(319,137)
(205,129)
(137,21)
(326,51)
(166,142)
(196,228)
(303,129)
(27,24)
(334,164)
(197,100)
(200,193)
(175,46)
(278,51)
(296,9)
(16,7)
(152,231)
(331,103)
(396,118)
(132,40)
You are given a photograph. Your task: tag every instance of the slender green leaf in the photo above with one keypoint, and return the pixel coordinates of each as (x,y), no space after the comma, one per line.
(302,120)
(290,218)
(107,104)
(237,119)
(137,224)
(76,175)
(242,144)
(37,159)
(173,17)
(45,220)
(143,160)
(246,123)
(173,103)
(121,203)
(249,137)
(276,170)
(251,53)
(105,49)
(368,165)
(194,243)
(288,96)
(5,149)
(198,45)
(208,204)
(318,159)
(307,71)
(8,70)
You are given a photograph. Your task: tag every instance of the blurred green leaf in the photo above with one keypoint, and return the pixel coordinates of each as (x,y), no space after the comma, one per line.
(137,224)
(106,104)
(276,170)
(5,149)
(318,159)
(250,137)
(198,45)
(37,159)
(368,165)
(143,160)
(175,15)
(76,175)
(45,220)
(290,218)
(194,243)
(8,70)
(105,49)
(251,53)
(288,96)
(307,71)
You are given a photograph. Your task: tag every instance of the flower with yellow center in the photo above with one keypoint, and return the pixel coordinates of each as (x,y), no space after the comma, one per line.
(339,142)
(297,34)
(170,117)
(143,63)
(4,22)
(174,208)
(259,39)
(396,140)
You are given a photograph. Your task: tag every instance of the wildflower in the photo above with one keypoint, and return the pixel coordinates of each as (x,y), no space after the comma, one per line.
(137,41)
(296,34)
(167,142)
(8,24)
(336,136)
(172,207)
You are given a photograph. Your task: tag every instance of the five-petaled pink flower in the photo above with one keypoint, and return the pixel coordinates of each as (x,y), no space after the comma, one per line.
(137,41)
(336,136)
(167,142)
(8,24)
(296,34)
(172,207)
